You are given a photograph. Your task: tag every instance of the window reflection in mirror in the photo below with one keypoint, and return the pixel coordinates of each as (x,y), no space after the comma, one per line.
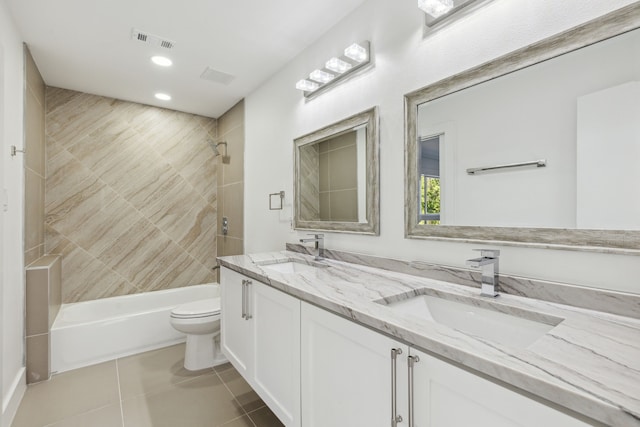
(429,180)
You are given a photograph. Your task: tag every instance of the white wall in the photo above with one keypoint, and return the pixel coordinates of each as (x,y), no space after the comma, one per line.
(276,113)
(608,150)
(12,254)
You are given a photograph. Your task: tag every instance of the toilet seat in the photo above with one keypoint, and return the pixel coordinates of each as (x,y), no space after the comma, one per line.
(198,309)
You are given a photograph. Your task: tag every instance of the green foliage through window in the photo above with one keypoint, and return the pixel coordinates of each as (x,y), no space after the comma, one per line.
(429,198)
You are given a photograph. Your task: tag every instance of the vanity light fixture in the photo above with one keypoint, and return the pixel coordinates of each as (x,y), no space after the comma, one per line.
(337,65)
(162,61)
(356,52)
(436,8)
(437,11)
(307,85)
(321,76)
(163,96)
(355,57)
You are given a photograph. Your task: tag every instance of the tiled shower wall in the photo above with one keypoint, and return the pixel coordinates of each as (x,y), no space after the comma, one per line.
(231,181)
(131,196)
(34,165)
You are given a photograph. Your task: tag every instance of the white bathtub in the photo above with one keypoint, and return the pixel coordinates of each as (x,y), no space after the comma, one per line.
(86,333)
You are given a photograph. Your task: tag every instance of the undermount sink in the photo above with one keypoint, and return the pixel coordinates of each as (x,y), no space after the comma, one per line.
(291,266)
(508,329)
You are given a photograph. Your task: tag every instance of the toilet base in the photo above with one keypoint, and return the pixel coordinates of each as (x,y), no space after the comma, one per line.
(203,351)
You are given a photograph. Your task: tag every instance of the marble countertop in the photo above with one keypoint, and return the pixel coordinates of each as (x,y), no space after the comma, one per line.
(589,362)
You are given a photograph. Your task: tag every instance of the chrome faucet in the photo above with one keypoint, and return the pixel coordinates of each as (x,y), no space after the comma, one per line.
(318,239)
(489,262)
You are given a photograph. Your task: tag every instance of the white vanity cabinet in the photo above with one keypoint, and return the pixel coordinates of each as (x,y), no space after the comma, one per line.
(347,379)
(346,372)
(260,329)
(447,396)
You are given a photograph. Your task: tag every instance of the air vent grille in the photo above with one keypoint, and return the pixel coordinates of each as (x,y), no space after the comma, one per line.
(216,76)
(151,39)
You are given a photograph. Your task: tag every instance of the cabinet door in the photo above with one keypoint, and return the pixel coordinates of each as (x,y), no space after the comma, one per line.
(237,332)
(346,372)
(448,396)
(276,318)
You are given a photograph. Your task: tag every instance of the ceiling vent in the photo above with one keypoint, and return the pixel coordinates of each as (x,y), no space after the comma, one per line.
(216,76)
(151,39)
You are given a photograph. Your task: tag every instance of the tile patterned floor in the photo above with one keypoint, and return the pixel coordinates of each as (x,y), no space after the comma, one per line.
(150,389)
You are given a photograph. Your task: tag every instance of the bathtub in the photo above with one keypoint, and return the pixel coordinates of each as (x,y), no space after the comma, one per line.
(86,333)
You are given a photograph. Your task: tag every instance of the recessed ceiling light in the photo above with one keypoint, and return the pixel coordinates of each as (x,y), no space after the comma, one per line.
(162,61)
(163,96)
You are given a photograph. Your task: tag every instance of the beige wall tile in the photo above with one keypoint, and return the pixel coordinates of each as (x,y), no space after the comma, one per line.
(33,254)
(34,210)
(325,207)
(324,178)
(131,195)
(344,205)
(343,168)
(34,78)
(234,208)
(233,246)
(34,134)
(220,208)
(37,352)
(37,301)
(234,170)
(55,290)
(233,118)
(342,141)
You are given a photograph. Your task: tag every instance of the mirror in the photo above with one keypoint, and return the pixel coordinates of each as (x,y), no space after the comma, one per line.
(336,176)
(538,147)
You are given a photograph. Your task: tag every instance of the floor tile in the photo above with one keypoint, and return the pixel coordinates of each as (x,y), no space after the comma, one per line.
(242,391)
(68,394)
(223,367)
(263,417)
(203,401)
(109,416)
(154,371)
(244,421)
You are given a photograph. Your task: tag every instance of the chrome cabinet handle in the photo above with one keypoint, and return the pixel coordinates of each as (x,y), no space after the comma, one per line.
(395,418)
(247,313)
(412,361)
(244,299)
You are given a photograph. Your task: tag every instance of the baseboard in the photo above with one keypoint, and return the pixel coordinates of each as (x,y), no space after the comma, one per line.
(12,400)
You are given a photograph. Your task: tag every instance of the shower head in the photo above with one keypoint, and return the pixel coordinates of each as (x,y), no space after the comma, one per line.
(225,158)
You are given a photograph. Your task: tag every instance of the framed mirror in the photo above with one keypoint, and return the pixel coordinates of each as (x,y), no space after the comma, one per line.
(539,147)
(336,181)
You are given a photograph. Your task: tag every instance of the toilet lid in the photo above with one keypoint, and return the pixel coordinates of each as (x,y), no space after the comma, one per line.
(202,308)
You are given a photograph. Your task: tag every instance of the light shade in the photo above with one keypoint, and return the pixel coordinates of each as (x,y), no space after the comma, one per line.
(163,96)
(162,61)
(436,8)
(356,52)
(321,76)
(307,85)
(337,65)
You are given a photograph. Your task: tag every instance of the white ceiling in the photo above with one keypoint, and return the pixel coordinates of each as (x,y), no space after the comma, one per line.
(86,45)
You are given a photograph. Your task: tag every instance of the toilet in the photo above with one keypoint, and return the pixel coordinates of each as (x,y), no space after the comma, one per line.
(200,321)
